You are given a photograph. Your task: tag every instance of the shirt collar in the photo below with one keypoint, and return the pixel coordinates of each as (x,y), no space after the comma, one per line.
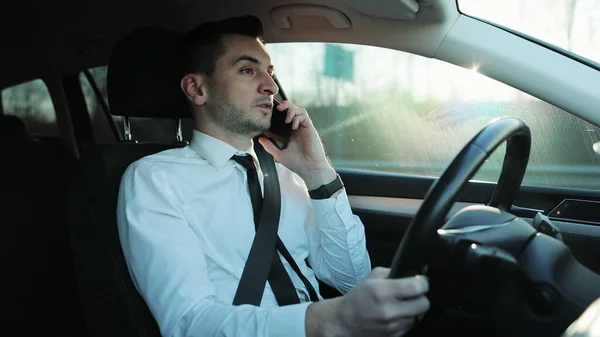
(216,151)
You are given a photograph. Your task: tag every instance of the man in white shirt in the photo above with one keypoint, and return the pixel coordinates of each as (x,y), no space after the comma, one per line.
(185,215)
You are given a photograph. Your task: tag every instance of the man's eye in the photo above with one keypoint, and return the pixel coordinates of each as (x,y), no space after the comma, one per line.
(248,71)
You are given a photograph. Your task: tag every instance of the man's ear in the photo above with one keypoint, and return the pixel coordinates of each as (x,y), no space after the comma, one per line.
(195,88)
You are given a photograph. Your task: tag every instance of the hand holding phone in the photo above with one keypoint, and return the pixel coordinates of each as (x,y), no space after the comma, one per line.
(280,131)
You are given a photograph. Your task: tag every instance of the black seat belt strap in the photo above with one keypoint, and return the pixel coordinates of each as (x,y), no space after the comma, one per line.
(256,271)
(254,276)
(312,293)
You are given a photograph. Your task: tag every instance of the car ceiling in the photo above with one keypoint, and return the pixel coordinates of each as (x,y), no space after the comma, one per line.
(44,38)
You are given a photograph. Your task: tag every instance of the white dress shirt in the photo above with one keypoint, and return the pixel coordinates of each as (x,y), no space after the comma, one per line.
(186,226)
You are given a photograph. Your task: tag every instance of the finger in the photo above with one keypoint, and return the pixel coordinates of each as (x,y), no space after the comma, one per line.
(269,147)
(290,116)
(292,113)
(412,307)
(286,104)
(379,272)
(411,286)
(399,327)
(299,119)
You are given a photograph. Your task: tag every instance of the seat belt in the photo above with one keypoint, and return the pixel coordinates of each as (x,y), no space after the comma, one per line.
(254,276)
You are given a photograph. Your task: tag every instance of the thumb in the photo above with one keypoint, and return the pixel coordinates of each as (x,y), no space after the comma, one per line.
(379,272)
(269,147)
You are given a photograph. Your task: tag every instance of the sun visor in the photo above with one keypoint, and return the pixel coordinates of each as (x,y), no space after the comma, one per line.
(391,9)
(299,16)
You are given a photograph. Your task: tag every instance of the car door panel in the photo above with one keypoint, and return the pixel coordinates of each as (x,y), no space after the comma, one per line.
(386,204)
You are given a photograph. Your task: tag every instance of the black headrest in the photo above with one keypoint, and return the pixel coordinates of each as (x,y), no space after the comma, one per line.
(143,75)
(12,129)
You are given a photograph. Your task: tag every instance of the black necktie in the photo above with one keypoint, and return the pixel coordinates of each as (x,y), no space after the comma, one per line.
(278,277)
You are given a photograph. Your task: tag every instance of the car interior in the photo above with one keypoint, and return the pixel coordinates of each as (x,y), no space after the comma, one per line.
(504,257)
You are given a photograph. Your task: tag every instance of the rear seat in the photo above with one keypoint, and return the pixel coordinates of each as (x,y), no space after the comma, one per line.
(38,293)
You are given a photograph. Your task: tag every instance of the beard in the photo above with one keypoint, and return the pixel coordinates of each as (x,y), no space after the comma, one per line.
(235,119)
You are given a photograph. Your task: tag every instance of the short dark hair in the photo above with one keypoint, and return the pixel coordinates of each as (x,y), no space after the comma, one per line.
(204,45)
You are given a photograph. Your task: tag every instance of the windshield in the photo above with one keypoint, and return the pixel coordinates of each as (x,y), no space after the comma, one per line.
(573,25)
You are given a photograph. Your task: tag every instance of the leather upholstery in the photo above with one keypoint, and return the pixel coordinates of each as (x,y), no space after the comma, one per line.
(38,294)
(112,305)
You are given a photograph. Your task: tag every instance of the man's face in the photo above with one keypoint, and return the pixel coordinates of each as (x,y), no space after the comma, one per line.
(241,89)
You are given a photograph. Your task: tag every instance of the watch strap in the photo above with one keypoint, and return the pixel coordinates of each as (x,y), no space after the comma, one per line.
(327,190)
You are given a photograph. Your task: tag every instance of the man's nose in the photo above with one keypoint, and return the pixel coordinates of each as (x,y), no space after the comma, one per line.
(268,86)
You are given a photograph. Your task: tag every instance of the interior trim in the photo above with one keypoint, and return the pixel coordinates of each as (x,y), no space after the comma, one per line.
(577,229)
(571,86)
(404,207)
(407,208)
(562,211)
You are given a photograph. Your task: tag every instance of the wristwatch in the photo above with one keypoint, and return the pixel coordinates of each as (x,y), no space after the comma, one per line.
(326,191)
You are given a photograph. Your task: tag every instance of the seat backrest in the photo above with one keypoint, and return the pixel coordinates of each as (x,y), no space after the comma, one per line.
(38,285)
(142,82)
(12,134)
(111,304)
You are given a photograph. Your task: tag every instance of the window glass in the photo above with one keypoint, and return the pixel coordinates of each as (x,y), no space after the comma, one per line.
(31,102)
(385,110)
(573,25)
(100,124)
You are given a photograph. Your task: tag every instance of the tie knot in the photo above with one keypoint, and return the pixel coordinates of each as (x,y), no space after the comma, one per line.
(246,161)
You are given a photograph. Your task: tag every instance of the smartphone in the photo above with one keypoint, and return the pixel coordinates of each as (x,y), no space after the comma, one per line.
(280,131)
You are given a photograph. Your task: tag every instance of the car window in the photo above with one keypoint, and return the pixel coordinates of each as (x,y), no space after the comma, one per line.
(100,124)
(384,110)
(31,102)
(142,129)
(573,25)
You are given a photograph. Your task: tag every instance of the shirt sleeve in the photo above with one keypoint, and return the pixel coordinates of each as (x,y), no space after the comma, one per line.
(338,252)
(168,267)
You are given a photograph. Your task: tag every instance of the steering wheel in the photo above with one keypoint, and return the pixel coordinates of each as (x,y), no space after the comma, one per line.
(412,252)
(536,295)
